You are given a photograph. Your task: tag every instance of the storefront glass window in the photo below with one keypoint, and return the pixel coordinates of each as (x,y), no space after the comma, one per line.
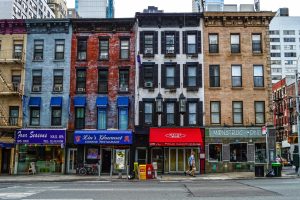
(46,158)
(141,156)
(101,118)
(238,152)
(260,153)
(215,152)
(123,118)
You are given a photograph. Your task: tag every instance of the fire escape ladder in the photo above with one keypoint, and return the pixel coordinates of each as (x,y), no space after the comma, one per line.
(10,88)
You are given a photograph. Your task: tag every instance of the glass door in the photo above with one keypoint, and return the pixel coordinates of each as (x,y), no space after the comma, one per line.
(177,161)
(72,160)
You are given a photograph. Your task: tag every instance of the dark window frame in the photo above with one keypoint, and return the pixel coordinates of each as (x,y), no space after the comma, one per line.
(234,112)
(219,112)
(152,113)
(126,77)
(38,50)
(81,81)
(13,120)
(56,121)
(168,114)
(241,152)
(79,121)
(260,113)
(214,80)
(257,46)
(82,44)
(36,81)
(18,53)
(149,46)
(58,80)
(32,109)
(235,48)
(59,55)
(234,78)
(213,48)
(124,48)
(196,113)
(261,78)
(103,49)
(103,83)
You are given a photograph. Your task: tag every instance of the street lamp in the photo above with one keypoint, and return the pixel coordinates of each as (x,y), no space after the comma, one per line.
(182,103)
(159,104)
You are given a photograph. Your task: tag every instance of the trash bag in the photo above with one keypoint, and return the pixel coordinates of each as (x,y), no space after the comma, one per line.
(270,173)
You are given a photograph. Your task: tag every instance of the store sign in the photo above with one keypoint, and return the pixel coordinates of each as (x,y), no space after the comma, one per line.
(120,159)
(41,136)
(102,137)
(235,132)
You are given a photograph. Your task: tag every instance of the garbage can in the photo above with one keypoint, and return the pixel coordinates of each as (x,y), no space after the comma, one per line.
(259,171)
(277,169)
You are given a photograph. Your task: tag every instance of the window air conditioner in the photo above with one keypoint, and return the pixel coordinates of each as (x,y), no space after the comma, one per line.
(148,51)
(80,89)
(124,89)
(58,88)
(148,84)
(103,56)
(170,51)
(36,88)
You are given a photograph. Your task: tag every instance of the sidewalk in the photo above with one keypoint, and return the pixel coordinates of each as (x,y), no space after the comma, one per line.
(286,173)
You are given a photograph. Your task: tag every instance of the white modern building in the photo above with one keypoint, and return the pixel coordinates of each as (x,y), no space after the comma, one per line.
(91,8)
(25,9)
(219,6)
(284,45)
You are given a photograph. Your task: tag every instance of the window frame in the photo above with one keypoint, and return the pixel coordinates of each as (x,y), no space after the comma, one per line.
(171,113)
(79,121)
(53,109)
(257,46)
(124,49)
(218,113)
(240,78)
(102,82)
(82,44)
(260,77)
(37,80)
(150,113)
(124,79)
(235,47)
(148,45)
(58,80)
(38,50)
(241,152)
(168,46)
(261,113)
(193,44)
(18,53)
(188,67)
(240,113)
(213,48)
(59,55)
(103,49)
(104,110)
(195,113)
(214,78)
(169,77)
(120,109)
(220,159)
(38,117)
(13,120)
(81,80)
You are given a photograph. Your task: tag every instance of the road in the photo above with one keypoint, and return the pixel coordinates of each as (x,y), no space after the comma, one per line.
(258,189)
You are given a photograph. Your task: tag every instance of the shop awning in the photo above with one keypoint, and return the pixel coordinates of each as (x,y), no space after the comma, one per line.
(56,101)
(110,137)
(176,137)
(7,142)
(35,101)
(102,102)
(123,101)
(41,136)
(79,101)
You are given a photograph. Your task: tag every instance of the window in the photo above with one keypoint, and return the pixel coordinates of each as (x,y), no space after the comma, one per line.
(34,116)
(56,116)
(258,75)
(170,43)
(102,80)
(149,107)
(18,48)
(191,44)
(123,118)
(213,43)
(148,76)
(16,80)
(59,49)
(102,118)
(36,81)
(149,44)
(79,118)
(275,62)
(274,39)
(290,62)
(141,155)
(236,73)
(103,49)
(238,152)
(235,43)
(260,153)
(80,80)
(191,76)
(275,47)
(123,80)
(214,76)
(13,115)
(290,54)
(170,76)
(38,50)
(58,79)
(124,49)
(259,112)
(192,113)
(276,70)
(81,49)
(170,108)
(288,32)
(215,112)
(237,110)
(275,55)
(215,152)
(289,47)
(274,32)
(289,39)
(256,43)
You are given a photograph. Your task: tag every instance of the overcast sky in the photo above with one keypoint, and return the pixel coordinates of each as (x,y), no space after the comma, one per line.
(128,8)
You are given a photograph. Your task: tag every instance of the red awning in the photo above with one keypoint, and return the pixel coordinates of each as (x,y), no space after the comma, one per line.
(176,137)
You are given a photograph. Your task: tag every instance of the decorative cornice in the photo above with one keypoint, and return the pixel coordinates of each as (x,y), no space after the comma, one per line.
(12,26)
(47,26)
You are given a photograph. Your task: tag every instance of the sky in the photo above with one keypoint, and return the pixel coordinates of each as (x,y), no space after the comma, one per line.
(128,8)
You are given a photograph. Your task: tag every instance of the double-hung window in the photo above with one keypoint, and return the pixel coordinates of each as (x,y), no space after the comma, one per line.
(214,75)
(237,110)
(18,48)
(148,76)
(258,75)
(215,112)
(80,80)
(123,80)
(102,80)
(56,116)
(13,115)
(16,80)
(123,118)
(259,107)
(235,43)
(236,75)
(103,49)
(213,43)
(124,49)
(59,49)
(170,108)
(81,49)
(191,76)
(102,118)
(170,43)
(192,113)
(170,76)
(35,116)
(148,113)
(149,44)
(58,77)
(36,81)
(191,44)
(38,53)
(256,43)
(79,117)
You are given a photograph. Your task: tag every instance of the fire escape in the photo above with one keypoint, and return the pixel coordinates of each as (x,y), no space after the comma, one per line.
(9,88)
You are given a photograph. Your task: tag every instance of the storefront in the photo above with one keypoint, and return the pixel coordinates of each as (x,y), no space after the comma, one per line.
(44,148)
(236,149)
(171,148)
(7,148)
(110,148)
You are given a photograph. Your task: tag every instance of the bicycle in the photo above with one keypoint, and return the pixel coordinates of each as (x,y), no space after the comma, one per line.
(88,169)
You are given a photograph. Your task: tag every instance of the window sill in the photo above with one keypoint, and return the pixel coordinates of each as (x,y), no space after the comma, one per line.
(148,55)
(42,60)
(36,92)
(124,59)
(149,89)
(257,54)
(170,55)
(59,60)
(215,88)
(170,89)
(123,92)
(259,88)
(103,60)
(237,88)
(236,54)
(81,60)
(76,92)
(54,92)
(213,53)
(194,55)
(192,89)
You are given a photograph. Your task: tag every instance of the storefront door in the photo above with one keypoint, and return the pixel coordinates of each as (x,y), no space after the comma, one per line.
(157,156)
(177,160)
(106,160)
(5,160)
(72,160)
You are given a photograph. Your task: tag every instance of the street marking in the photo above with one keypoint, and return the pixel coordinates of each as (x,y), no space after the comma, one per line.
(94,181)
(57,199)
(169,181)
(15,195)
(119,189)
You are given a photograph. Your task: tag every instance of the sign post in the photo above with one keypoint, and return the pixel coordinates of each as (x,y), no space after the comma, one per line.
(264,131)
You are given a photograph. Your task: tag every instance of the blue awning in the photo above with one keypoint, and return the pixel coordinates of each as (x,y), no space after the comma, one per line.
(56,101)
(102,102)
(123,101)
(79,101)
(35,101)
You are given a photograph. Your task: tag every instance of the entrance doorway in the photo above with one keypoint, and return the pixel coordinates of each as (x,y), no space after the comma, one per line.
(72,160)
(106,160)
(177,160)
(6,153)
(157,155)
